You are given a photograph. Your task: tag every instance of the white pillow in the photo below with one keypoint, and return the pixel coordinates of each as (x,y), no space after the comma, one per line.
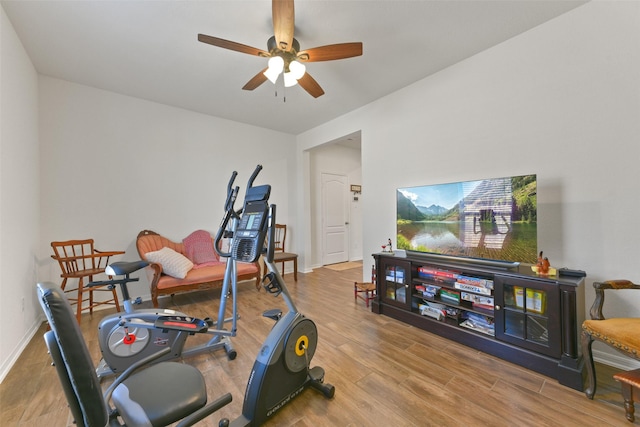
(173,263)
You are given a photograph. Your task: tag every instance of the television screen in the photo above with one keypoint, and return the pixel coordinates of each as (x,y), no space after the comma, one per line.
(491,219)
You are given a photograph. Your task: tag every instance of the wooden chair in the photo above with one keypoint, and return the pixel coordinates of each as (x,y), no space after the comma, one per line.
(623,334)
(280,256)
(78,259)
(368,289)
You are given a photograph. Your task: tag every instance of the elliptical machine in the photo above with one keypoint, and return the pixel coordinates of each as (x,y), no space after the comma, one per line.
(282,369)
(132,335)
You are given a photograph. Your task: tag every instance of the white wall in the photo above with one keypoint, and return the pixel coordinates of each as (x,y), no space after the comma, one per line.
(562,101)
(19,196)
(113,165)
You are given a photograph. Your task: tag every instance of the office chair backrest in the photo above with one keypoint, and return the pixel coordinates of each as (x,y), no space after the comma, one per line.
(72,359)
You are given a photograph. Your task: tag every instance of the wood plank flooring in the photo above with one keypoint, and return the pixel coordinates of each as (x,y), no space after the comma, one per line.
(385,372)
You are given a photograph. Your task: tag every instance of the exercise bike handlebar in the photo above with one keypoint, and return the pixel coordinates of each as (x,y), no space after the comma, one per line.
(124,267)
(120,268)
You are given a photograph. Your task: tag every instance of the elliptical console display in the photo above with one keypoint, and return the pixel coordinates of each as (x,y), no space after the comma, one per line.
(248,240)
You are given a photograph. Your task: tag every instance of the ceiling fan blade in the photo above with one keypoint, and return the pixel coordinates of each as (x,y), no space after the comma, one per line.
(331,52)
(226,44)
(283,23)
(256,81)
(309,84)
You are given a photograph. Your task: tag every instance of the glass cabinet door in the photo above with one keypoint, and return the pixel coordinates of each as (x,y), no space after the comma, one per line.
(525,313)
(395,282)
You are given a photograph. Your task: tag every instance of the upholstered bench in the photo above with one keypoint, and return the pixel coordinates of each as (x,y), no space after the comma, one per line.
(629,380)
(186,266)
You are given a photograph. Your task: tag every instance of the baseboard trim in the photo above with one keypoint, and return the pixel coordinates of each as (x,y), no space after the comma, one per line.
(17,351)
(616,361)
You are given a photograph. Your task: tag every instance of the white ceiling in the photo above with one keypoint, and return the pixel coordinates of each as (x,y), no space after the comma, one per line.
(148,48)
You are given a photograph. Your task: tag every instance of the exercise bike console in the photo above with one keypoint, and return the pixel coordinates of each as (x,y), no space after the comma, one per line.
(188,324)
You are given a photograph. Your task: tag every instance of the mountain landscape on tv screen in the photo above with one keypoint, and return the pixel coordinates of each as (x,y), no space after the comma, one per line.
(492,218)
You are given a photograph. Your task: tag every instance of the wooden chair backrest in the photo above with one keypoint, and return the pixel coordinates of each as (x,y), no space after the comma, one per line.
(280,237)
(74,256)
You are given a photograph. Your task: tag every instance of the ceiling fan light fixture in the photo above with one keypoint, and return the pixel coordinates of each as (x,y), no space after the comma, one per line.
(284,53)
(275,67)
(297,69)
(289,79)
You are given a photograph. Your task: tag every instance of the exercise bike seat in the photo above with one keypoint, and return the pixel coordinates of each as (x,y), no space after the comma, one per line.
(124,267)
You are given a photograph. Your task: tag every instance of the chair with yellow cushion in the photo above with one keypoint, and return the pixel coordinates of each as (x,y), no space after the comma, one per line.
(621,333)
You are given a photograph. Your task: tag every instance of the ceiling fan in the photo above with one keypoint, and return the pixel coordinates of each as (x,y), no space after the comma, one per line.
(284,52)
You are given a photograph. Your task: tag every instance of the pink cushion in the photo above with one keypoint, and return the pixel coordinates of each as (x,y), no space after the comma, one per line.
(198,247)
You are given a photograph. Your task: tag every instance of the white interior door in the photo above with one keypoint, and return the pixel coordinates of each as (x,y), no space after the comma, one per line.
(335,219)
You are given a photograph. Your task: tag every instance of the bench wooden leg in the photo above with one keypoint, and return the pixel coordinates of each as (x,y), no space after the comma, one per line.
(630,381)
(627,394)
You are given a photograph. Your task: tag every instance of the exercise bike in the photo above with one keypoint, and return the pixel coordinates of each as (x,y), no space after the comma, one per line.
(132,335)
(282,369)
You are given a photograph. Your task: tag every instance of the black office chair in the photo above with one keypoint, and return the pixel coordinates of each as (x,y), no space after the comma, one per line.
(157,395)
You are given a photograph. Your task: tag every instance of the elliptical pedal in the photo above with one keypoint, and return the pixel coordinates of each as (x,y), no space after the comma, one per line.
(274,313)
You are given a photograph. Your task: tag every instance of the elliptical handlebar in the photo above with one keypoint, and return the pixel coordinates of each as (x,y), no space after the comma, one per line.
(271,236)
(231,193)
(230,212)
(253,176)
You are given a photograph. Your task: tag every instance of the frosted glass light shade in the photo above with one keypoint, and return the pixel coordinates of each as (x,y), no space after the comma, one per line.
(289,80)
(297,69)
(276,65)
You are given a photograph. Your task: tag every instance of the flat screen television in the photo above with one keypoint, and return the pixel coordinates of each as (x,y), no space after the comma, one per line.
(491,221)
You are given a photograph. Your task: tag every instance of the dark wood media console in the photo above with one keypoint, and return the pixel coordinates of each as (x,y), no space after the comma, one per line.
(511,313)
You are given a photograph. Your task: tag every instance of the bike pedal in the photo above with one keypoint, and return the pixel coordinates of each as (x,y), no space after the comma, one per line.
(316,374)
(138,301)
(208,321)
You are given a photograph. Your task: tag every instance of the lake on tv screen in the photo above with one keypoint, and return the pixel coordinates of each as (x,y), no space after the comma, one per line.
(518,244)
(492,218)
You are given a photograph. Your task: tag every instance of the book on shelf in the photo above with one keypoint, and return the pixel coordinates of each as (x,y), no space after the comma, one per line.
(476,299)
(472,288)
(478,327)
(536,301)
(482,306)
(479,323)
(475,281)
(450,296)
(431,310)
(426,272)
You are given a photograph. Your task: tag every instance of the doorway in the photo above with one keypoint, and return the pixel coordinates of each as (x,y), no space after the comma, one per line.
(335,219)
(332,237)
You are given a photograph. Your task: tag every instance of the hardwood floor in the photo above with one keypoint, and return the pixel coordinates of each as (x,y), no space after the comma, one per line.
(385,372)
